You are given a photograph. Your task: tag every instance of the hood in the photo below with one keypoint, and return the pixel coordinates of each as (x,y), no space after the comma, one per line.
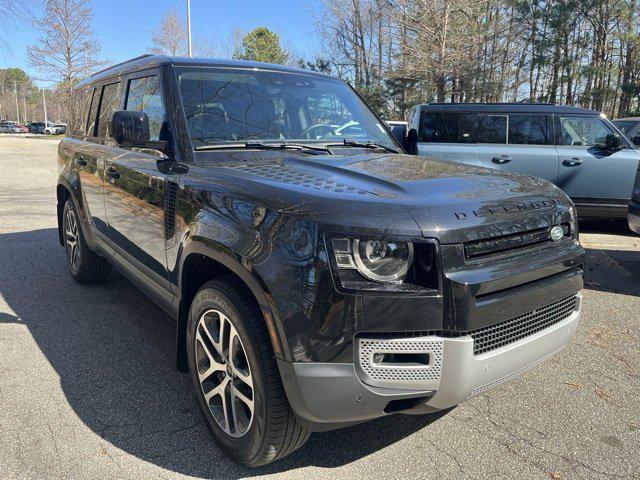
(450,201)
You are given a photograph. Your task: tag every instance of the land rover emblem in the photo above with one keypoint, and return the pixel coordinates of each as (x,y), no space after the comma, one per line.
(556,233)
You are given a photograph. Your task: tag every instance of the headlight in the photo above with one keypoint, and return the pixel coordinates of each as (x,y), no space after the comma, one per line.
(377,260)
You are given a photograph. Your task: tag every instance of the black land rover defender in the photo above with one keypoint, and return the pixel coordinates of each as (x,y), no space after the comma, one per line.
(318,276)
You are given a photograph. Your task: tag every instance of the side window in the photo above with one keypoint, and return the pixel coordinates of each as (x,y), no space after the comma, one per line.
(108,105)
(446,127)
(93,113)
(492,129)
(582,131)
(144,95)
(530,130)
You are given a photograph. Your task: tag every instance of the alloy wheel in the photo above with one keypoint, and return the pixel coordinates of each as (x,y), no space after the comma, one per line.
(224,373)
(72,239)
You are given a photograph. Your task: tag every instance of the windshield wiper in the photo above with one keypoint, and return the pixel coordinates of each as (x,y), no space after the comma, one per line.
(354,143)
(268,146)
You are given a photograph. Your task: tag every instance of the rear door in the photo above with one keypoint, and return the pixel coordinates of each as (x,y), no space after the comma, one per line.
(518,143)
(590,173)
(448,136)
(135,188)
(90,163)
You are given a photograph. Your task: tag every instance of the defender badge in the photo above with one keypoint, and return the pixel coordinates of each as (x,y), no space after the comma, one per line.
(556,233)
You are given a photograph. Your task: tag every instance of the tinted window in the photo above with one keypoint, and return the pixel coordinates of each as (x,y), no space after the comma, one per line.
(144,95)
(582,131)
(625,125)
(529,130)
(492,129)
(93,113)
(238,106)
(108,105)
(445,127)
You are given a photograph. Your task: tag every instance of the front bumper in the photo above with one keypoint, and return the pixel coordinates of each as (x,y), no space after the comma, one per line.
(327,395)
(633,216)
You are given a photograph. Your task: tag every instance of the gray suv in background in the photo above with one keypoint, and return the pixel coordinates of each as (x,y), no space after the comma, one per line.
(577,149)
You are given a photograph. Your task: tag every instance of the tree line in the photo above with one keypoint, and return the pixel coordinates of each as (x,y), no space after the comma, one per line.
(402,52)
(397,53)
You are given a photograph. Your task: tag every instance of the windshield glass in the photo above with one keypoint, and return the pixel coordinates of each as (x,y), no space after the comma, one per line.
(225,106)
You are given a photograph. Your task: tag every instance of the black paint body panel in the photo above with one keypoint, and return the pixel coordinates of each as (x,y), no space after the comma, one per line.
(267,215)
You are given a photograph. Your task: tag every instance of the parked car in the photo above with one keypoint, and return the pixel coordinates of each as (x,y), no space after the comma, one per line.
(51,129)
(575,148)
(318,277)
(9,127)
(23,128)
(630,127)
(398,130)
(61,128)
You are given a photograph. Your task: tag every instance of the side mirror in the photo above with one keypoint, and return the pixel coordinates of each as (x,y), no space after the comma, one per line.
(412,142)
(129,128)
(613,142)
(636,140)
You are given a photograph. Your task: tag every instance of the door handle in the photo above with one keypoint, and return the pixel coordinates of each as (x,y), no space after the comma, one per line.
(113,173)
(80,161)
(572,162)
(501,159)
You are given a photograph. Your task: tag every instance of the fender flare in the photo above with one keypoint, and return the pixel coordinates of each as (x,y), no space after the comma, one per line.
(232,261)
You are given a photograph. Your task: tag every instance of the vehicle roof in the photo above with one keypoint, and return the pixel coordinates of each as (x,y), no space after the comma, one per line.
(507,108)
(146,61)
(627,119)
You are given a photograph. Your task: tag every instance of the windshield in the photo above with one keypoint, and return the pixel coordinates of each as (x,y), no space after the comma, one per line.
(225,106)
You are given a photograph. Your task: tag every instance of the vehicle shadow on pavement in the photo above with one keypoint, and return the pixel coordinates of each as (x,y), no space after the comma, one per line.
(113,350)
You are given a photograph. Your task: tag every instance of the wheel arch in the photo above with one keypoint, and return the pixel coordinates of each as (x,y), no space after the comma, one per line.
(202,260)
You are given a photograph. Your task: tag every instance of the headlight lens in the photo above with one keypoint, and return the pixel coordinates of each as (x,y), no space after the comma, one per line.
(376,260)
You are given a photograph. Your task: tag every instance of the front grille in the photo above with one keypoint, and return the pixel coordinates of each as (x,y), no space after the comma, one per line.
(496,336)
(506,243)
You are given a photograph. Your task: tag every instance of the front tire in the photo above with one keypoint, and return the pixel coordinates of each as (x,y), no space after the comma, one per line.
(84,265)
(235,376)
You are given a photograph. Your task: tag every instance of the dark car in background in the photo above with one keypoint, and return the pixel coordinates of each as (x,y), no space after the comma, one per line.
(630,127)
(577,149)
(318,276)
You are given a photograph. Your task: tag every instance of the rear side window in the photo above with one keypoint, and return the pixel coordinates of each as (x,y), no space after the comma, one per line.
(144,95)
(447,127)
(492,129)
(93,113)
(108,105)
(530,130)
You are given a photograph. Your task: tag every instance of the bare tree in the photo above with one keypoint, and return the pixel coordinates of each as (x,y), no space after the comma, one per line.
(11,13)
(66,49)
(171,36)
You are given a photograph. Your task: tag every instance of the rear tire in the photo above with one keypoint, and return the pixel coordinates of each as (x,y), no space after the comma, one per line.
(84,265)
(222,310)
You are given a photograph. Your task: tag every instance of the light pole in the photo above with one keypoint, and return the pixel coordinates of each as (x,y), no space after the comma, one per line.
(15,91)
(189,28)
(24,107)
(44,106)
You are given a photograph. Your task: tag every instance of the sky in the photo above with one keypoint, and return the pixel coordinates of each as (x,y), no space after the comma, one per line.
(123,27)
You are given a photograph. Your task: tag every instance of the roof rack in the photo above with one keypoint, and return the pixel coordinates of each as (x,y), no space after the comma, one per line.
(492,103)
(140,57)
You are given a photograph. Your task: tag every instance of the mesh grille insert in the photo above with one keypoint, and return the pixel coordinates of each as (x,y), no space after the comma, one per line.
(496,336)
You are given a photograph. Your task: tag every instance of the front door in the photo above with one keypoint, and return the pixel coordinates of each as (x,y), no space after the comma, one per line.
(589,173)
(135,189)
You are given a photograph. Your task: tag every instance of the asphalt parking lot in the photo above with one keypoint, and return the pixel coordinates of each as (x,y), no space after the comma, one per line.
(88,387)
